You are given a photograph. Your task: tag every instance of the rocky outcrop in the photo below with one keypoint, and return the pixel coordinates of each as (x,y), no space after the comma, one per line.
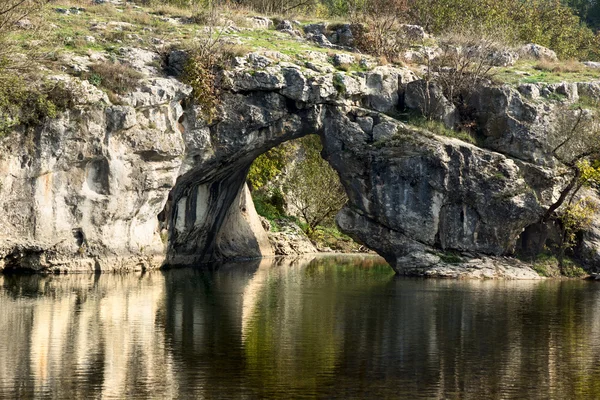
(537,52)
(83,192)
(414,196)
(149,181)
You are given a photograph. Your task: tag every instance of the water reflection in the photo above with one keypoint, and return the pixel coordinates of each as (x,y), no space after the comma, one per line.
(323,328)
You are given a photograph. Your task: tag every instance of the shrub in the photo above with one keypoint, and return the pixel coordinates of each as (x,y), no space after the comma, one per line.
(24,104)
(546,22)
(377,28)
(115,77)
(267,166)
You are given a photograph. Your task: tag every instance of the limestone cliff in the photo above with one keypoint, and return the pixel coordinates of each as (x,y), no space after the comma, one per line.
(149,182)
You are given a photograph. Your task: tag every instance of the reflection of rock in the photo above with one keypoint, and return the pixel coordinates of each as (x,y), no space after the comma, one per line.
(295,326)
(76,324)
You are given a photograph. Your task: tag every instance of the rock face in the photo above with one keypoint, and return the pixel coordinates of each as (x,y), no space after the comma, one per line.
(83,192)
(135,185)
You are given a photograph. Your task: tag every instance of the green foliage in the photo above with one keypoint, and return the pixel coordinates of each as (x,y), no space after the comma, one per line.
(546,22)
(450,257)
(269,204)
(586,102)
(547,265)
(309,185)
(23,104)
(576,217)
(267,166)
(332,238)
(198,73)
(338,84)
(314,187)
(589,172)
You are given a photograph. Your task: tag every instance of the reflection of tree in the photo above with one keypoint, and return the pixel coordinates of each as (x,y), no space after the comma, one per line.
(294,343)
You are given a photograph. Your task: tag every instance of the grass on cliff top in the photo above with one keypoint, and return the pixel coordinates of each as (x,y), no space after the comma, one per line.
(438,128)
(546,72)
(111,27)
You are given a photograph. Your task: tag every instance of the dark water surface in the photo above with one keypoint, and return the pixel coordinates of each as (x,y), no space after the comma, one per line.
(328,328)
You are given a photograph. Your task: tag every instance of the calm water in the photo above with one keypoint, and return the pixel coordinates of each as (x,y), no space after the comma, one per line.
(327,328)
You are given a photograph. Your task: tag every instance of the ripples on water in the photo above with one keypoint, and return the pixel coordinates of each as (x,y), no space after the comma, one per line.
(328,328)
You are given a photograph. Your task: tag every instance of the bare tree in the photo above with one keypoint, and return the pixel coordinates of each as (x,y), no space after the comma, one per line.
(576,145)
(378,27)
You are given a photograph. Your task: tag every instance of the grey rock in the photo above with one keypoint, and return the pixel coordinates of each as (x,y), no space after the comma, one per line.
(592,64)
(141,60)
(428,99)
(258,61)
(530,90)
(24,24)
(567,90)
(512,125)
(383,86)
(268,79)
(285,25)
(132,186)
(120,117)
(385,130)
(176,61)
(537,52)
(260,22)
(414,33)
(320,39)
(590,90)
(366,124)
(503,58)
(342,36)
(340,59)
(315,29)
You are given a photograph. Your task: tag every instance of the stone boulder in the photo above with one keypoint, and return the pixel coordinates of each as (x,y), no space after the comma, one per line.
(342,36)
(537,52)
(414,33)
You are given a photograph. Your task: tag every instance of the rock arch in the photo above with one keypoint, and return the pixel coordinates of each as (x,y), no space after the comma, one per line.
(420,200)
(413,196)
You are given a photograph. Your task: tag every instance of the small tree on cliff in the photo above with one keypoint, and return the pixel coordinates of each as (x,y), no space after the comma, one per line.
(313,187)
(576,145)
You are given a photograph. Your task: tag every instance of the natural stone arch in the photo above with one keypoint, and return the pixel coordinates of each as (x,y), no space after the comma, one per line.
(205,197)
(92,204)
(413,196)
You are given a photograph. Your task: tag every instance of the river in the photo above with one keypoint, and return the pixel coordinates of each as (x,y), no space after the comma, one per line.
(330,327)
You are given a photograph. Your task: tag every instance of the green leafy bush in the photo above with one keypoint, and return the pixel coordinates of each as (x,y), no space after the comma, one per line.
(24,104)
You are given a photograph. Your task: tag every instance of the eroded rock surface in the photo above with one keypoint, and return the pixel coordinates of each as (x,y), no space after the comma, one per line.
(149,181)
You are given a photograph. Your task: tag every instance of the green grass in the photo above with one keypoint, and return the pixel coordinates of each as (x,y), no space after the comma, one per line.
(547,265)
(530,72)
(586,102)
(450,257)
(438,128)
